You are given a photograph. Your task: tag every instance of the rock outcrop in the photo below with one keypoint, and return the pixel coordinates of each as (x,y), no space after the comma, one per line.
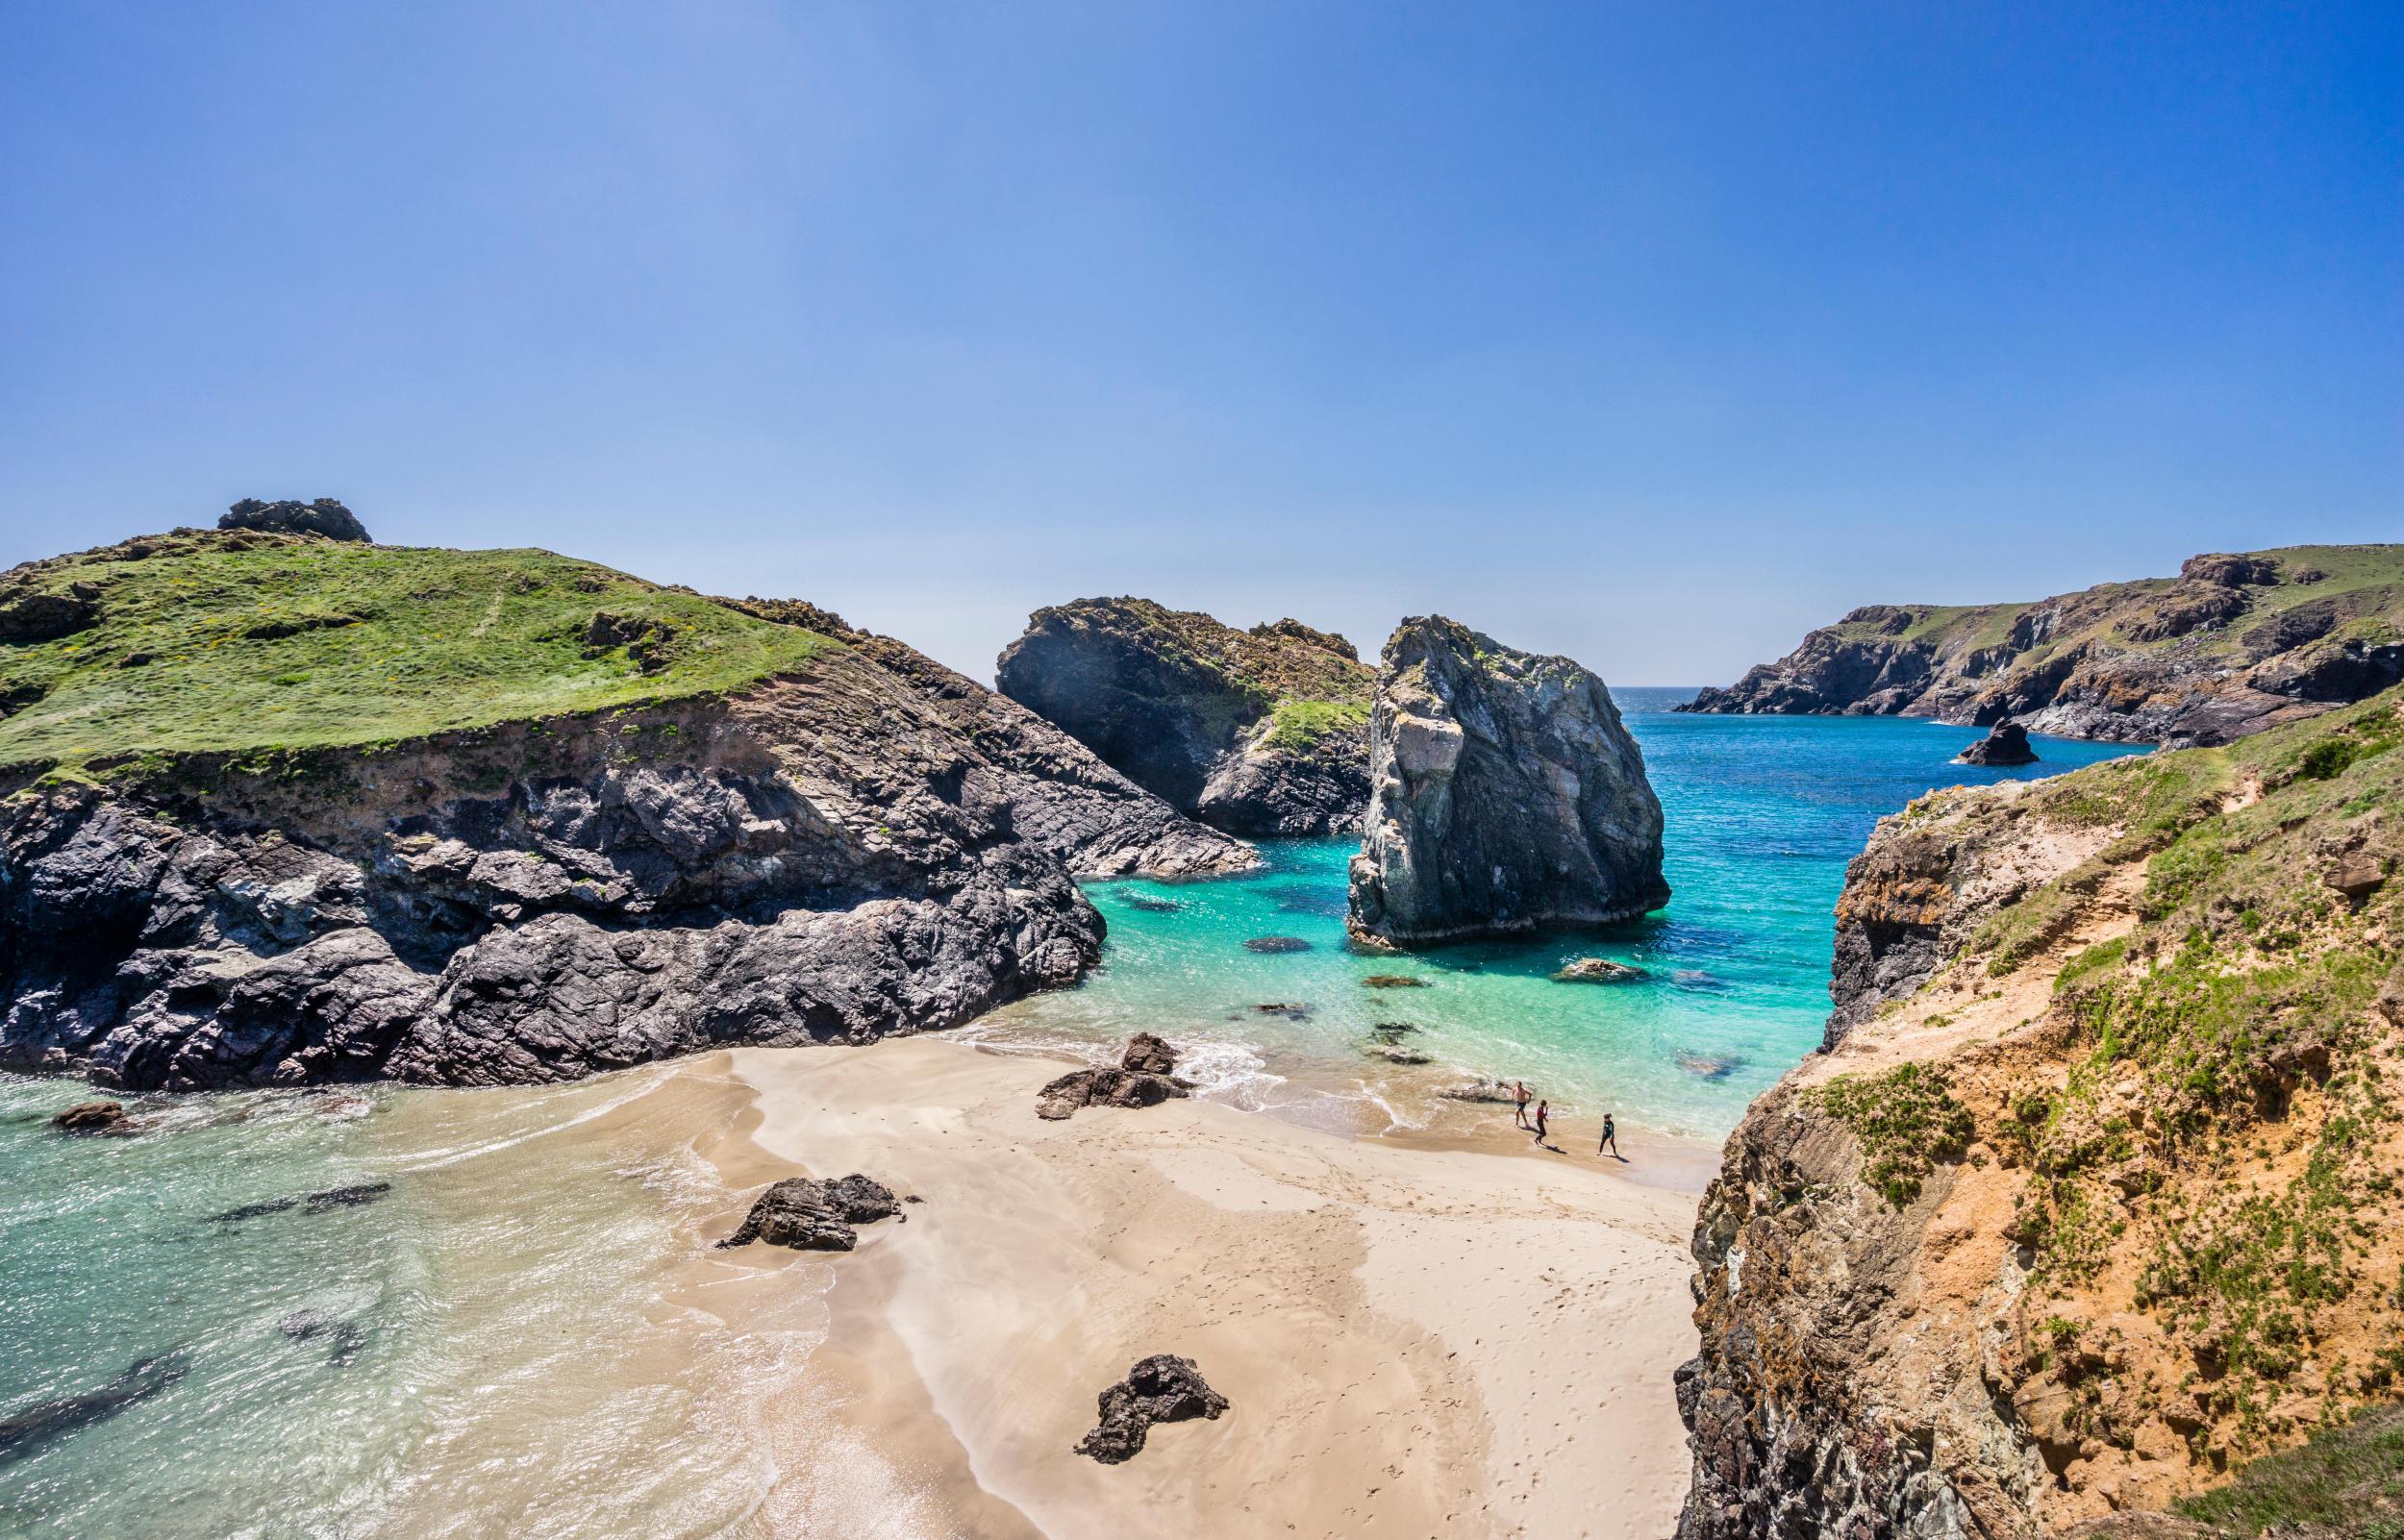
(2087,1202)
(2007,744)
(1162,1388)
(2232,646)
(861,845)
(323,516)
(1505,796)
(1257,732)
(90,1117)
(1146,1076)
(808,1214)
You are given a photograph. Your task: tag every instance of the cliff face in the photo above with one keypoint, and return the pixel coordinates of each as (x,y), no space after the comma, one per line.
(2090,1201)
(1258,732)
(1505,796)
(2233,645)
(851,843)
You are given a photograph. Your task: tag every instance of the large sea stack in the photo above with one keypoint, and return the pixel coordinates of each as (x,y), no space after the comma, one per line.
(1505,796)
(1259,732)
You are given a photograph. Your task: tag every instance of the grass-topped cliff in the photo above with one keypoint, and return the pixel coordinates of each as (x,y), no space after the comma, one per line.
(236,641)
(2233,644)
(1259,732)
(2096,1194)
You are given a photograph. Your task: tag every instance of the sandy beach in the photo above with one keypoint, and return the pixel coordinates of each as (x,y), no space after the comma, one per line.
(1465,1337)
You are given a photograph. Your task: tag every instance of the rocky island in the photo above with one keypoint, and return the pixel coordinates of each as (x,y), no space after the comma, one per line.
(2090,1200)
(1258,732)
(290,807)
(2233,645)
(1505,796)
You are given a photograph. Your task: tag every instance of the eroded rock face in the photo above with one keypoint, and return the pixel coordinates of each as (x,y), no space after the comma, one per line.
(1162,1388)
(1507,796)
(2236,644)
(1259,732)
(875,846)
(290,516)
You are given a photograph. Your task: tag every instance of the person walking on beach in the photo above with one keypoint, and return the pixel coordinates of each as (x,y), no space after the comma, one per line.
(1611,1139)
(1540,1108)
(1519,1101)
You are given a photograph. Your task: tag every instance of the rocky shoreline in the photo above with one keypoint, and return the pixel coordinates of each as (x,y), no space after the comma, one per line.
(2236,644)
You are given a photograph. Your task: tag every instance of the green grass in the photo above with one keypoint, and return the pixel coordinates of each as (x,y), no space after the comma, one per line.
(1300,726)
(1907,1121)
(294,644)
(2346,1481)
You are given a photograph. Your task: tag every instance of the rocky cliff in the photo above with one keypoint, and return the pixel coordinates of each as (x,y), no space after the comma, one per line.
(1505,796)
(2233,645)
(281,809)
(1259,732)
(2092,1199)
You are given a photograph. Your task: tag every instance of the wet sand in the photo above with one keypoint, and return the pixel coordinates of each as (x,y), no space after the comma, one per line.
(1449,1334)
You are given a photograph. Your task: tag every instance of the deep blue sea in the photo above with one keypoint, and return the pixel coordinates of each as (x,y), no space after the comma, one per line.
(497,1343)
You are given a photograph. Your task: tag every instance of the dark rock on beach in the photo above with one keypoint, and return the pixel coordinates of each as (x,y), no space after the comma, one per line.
(812,1215)
(1507,796)
(1160,1389)
(2005,744)
(1145,1076)
(1258,732)
(1149,1053)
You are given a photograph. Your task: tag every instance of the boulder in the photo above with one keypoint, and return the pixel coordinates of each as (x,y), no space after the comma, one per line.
(1160,1389)
(290,516)
(1106,1087)
(812,1215)
(29,614)
(1148,1053)
(1505,796)
(2006,743)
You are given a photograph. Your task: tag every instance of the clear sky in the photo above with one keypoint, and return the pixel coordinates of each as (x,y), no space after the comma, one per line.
(1650,334)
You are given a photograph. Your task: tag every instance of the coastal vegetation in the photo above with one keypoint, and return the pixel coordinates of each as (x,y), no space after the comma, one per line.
(209,642)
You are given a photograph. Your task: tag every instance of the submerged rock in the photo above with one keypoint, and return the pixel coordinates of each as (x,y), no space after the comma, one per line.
(1290,1010)
(28,1428)
(1505,796)
(1392,980)
(1396,1053)
(1277,943)
(1160,1389)
(343,1338)
(812,1215)
(1597,970)
(1150,904)
(91,1117)
(315,1203)
(2005,744)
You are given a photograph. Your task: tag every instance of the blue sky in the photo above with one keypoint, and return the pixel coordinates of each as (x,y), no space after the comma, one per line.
(1653,334)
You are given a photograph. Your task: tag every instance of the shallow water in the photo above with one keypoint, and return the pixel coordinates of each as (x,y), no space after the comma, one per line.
(1761,813)
(515,1337)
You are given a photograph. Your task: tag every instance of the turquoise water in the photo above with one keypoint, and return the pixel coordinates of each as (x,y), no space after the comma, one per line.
(1761,815)
(498,1343)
